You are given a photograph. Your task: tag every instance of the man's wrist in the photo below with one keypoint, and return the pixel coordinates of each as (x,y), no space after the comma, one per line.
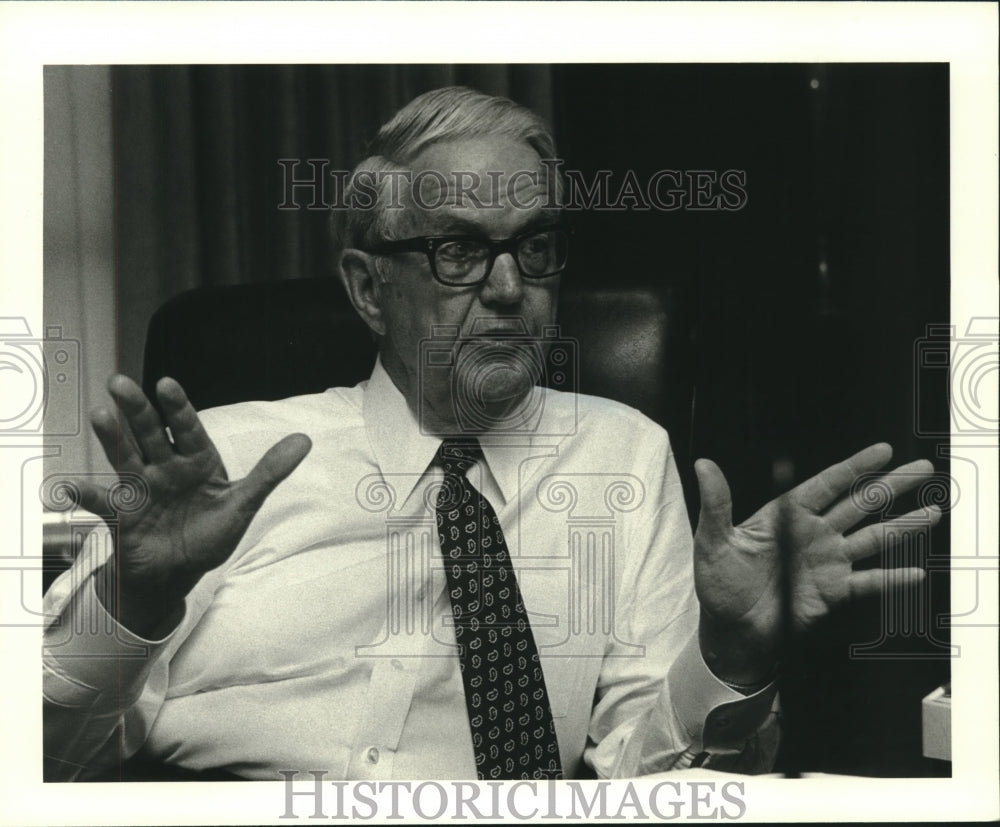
(149,613)
(737,657)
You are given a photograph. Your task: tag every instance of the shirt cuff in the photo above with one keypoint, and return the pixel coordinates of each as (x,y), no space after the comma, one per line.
(706,707)
(89,656)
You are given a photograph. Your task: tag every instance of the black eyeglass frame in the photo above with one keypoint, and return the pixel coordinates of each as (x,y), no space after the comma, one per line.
(428,244)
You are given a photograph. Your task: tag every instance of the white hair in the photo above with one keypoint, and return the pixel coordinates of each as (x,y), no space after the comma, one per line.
(447,114)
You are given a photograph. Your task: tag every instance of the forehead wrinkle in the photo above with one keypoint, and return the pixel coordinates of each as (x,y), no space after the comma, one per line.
(474,221)
(454,201)
(435,184)
(528,206)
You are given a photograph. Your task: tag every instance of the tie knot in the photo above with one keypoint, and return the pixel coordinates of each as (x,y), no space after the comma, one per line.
(457,457)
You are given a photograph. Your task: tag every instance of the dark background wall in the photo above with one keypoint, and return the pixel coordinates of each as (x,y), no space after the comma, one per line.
(799,313)
(805,306)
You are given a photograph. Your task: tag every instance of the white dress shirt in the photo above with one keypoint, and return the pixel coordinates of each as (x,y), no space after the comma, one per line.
(324,642)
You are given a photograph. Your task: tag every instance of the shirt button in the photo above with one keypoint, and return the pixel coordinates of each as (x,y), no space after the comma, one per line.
(397,665)
(373,755)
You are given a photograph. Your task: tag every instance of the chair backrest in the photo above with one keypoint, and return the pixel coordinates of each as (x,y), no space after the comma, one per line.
(275,339)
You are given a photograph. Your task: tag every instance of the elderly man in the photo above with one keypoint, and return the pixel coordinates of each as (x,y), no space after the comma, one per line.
(375,582)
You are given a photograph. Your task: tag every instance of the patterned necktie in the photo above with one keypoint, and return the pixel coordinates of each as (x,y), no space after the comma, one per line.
(513,734)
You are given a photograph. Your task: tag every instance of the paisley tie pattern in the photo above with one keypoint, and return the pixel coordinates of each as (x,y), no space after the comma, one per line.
(513,734)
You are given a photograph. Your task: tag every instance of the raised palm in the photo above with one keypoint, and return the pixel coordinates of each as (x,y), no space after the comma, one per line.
(189,516)
(739,573)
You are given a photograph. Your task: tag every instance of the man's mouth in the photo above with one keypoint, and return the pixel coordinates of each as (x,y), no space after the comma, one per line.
(498,328)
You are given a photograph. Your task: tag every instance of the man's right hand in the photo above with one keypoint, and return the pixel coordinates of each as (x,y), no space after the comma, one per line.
(193,516)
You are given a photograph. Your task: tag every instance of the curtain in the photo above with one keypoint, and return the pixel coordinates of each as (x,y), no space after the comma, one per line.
(197,173)
(78,254)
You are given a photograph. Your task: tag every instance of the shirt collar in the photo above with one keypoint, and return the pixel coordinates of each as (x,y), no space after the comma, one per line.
(404,453)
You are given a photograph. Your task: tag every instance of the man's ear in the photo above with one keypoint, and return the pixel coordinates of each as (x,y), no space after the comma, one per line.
(362,283)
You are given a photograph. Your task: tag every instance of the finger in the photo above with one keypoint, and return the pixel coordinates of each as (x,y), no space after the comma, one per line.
(873,582)
(186,429)
(116,440)
(145,422)
(871,539)
(816,493)
(716,514)
(855,508)
(88,495)
(280,460)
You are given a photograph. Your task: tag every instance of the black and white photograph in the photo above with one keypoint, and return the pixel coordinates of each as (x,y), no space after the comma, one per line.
(506,438)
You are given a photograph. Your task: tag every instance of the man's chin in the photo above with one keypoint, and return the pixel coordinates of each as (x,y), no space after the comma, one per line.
(505,390)
(494,395)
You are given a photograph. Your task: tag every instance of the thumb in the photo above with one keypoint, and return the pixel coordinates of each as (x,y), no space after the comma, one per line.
(277,464)
(82,492)
(716,501)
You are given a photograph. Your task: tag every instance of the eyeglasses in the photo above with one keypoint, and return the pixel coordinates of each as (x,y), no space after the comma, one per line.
(465,261)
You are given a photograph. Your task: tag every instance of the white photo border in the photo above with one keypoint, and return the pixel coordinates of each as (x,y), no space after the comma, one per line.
(963,35)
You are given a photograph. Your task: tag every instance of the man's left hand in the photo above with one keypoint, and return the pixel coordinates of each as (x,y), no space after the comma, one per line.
(739,573)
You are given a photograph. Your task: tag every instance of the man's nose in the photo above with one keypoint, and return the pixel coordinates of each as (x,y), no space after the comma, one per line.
(504,285)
